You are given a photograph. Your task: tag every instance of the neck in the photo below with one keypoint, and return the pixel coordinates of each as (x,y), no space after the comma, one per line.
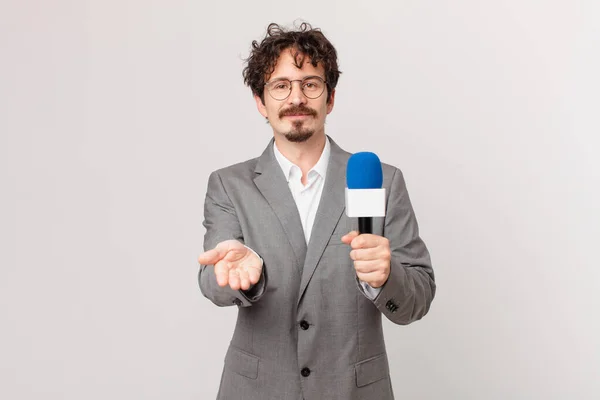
(306,154)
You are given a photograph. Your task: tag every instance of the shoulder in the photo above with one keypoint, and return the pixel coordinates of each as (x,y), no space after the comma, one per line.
(389,169)
(241,170)
(391,173)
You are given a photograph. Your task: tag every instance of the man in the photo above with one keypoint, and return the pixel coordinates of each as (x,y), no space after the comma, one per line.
(309,288)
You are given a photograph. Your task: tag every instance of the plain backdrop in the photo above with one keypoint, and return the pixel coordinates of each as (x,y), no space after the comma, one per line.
(113,114)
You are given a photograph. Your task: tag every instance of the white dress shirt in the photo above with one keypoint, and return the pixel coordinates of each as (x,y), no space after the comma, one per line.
(307,197)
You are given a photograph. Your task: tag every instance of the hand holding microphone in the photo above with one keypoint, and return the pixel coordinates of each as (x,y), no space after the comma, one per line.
(365,199)
(371,255)
(234,264)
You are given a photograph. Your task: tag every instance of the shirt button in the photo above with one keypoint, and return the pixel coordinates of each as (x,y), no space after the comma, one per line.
(304,325)
(305,372)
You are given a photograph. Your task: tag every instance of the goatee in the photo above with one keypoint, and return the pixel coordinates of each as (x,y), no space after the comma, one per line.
(299,134)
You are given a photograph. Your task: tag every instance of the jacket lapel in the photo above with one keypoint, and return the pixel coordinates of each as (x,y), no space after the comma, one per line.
(273,185)
(331,206)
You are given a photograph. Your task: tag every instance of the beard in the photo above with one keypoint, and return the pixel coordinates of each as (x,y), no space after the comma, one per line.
(298,133)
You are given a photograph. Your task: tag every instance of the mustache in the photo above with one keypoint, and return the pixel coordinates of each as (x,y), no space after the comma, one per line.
(295,110)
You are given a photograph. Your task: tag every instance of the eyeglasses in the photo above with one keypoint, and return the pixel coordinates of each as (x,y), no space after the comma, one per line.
(311,86)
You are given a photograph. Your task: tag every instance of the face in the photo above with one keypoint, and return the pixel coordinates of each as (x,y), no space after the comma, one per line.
(296,118)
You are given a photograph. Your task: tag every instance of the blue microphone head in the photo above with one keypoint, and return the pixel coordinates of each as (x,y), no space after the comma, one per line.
(364,171)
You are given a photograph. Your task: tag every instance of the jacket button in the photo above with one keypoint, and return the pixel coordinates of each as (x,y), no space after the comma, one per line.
(391,306)
(304,325)
(305,372)
(237,302)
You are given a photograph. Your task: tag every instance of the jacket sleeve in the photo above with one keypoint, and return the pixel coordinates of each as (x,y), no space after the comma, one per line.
(407,294)
(221,223)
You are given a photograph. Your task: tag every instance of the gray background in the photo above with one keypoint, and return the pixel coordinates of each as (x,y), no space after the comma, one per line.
(113,114)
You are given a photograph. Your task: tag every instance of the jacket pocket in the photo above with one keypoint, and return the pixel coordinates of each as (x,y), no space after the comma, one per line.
(371,370)
(241,363)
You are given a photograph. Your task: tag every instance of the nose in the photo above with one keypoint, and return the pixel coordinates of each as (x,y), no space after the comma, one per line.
(297,97)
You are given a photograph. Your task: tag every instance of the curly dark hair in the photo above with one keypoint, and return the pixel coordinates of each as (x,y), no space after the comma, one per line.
(306,41)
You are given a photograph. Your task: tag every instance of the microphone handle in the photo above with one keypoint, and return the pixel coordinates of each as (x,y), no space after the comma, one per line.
(365,225)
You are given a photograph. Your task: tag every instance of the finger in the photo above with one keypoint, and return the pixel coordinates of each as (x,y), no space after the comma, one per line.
(369,266)
(347,238)
(365,254)
(234,279)
(254,275)
(226,246)
(373,279)
(220,252)
(210,257)
(244,280)
(367,240)
(222,273)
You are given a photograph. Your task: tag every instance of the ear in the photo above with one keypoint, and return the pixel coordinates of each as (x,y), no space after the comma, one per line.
(260,106)
(331,102)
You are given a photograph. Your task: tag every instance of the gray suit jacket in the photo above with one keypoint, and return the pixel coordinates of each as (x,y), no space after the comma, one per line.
(306,330)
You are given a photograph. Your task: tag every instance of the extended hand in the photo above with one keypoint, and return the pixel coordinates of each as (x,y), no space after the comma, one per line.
(234,264)
(371,255)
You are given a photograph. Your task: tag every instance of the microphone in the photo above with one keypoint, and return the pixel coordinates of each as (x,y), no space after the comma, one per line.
(365,198)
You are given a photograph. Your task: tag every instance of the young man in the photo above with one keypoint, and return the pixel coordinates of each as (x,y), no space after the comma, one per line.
(310,289)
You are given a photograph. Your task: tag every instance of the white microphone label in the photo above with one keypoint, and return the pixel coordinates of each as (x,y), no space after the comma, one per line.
(365,203)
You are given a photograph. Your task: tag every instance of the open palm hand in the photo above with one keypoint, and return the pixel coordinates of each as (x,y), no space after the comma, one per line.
(234,264)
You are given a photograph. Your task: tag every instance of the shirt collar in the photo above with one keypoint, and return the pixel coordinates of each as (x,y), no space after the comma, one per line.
(320,167)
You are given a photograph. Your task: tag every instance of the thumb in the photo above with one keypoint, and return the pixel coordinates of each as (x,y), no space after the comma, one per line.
(349,237)
(211,257)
